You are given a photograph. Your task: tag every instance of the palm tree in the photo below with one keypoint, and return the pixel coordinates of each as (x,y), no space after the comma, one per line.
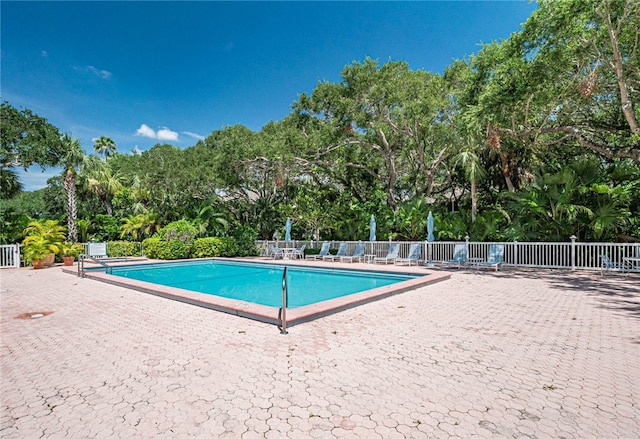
(101,181)
(105,145)
(10,185)
(472,167)
(71,159)
(140,225)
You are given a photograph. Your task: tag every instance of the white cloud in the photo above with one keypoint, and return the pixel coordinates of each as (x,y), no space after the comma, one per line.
(166,134)
(162,134)
(44,54)
(103,74)
(145,131)
(194,135)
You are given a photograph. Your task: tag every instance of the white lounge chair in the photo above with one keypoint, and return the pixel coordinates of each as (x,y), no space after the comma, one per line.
(495,257)
(459,255)
(324,250)
(415,253)
(342,251)
(358,254)
(392,254)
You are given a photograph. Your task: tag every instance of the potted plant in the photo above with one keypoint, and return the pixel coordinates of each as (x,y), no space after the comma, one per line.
(51,232)
(70,251)
(36,249)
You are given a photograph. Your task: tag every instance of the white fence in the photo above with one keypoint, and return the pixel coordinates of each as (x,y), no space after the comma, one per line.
(10,256)
(571,255)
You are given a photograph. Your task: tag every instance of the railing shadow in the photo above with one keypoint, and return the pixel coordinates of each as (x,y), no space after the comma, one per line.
(616,292)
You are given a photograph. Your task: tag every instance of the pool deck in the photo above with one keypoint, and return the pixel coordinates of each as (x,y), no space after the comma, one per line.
(518,353)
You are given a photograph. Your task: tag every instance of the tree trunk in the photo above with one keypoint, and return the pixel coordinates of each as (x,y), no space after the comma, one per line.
(69,184)
(474,201)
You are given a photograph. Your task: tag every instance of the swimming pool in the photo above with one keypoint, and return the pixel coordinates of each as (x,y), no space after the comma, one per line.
(261,284)
(254,289)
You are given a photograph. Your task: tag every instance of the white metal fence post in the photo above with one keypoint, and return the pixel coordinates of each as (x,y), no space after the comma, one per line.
(573,251)
(515,253)
(466,243)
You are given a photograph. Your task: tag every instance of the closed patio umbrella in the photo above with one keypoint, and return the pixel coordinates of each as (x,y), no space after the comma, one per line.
(372,229)
(430,236)
(287,230)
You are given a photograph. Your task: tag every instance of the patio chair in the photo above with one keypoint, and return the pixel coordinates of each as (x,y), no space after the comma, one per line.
(495,257)
(298,252)
(342,251)
(392,254)
(358,254)
(276,252)
(459,255)
(606,265)
(415,253)
(324,250)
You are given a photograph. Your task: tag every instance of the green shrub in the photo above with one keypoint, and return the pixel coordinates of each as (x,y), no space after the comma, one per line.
(151,247)
(181,230)
(245,238)
(123,248)
(156,248)
(214,247)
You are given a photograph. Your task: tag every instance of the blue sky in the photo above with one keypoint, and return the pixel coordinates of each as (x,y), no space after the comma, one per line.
(153,72)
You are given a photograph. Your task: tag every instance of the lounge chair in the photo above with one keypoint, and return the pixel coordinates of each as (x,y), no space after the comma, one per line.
(607,265)
(298,252)
(495,257)
(459,255)
(392,254)
(358,254)
(415,253)
(342,251)
(324,250)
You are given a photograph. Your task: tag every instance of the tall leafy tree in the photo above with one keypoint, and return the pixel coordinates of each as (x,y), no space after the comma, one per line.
(104,145)
(386,124)
(71,157)
(25,139)
(566,83)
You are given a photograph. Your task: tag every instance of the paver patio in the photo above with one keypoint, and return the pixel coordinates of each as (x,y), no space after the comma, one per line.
(544,354)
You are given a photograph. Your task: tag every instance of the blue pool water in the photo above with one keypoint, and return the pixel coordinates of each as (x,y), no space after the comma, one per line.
(260,283)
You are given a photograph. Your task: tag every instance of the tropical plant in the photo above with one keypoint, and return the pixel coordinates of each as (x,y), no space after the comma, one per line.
(71,158)
(104,145)
(50,230)
(71,249)
(36,248)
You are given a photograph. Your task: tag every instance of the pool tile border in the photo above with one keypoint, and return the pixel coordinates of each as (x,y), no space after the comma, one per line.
(268,314)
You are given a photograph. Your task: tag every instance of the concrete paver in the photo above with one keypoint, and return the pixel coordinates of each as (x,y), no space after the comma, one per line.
(535,354)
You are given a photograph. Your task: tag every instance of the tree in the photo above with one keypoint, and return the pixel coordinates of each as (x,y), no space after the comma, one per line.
(472,166)
(566,83)
(71,158)
(104,145)
(25,139)
(101,182)
(385,124)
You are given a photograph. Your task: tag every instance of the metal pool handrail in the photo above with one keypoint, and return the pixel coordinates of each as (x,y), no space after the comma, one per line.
(283,310)
(82,257)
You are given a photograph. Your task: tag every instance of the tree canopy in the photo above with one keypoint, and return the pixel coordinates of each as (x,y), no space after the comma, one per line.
(533,138)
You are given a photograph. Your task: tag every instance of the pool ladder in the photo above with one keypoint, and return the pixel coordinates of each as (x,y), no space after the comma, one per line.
(283,310)
(81,258)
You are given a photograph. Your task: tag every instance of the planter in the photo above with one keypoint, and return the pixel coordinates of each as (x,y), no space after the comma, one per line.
(37,264)
(48,261)
(68,260)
